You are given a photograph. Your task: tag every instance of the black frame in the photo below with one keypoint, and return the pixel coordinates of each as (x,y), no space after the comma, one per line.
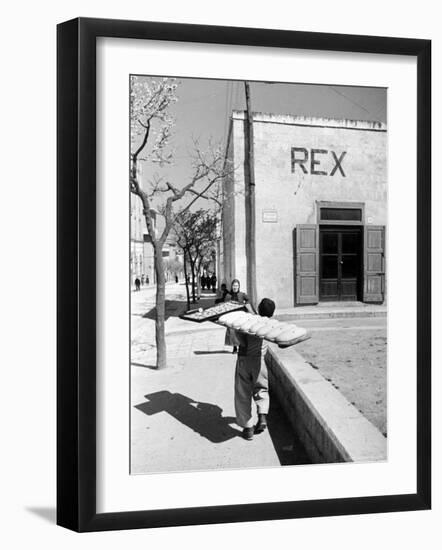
(76,291)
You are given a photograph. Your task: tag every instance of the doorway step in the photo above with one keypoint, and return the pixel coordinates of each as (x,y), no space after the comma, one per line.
(332,310)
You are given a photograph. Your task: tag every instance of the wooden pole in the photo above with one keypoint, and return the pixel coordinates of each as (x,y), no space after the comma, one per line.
(250,202)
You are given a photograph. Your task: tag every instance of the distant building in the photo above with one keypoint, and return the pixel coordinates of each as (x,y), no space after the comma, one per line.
(137,225)
(142,259)
(320,209)
(141,250)
(173,258)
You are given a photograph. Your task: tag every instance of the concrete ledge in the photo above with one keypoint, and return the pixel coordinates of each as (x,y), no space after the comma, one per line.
(328,315)
(331,428)
(319,312)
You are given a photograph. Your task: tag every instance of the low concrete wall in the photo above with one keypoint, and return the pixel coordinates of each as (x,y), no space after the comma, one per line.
(331,428)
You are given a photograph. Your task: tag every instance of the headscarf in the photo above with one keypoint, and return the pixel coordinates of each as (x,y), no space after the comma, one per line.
(234,294)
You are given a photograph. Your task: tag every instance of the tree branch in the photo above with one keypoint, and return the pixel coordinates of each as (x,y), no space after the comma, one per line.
(144,141)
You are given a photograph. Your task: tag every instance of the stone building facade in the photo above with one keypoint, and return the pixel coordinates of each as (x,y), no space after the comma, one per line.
(320,209)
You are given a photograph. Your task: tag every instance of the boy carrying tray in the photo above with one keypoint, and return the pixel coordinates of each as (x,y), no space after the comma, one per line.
(251,378)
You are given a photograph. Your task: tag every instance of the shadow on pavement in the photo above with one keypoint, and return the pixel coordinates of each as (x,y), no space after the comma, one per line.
(203,418)
(212,352)
(152,367)
(287,445)
(174,308)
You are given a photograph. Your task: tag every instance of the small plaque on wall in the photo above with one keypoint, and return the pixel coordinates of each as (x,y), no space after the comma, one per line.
(269,216)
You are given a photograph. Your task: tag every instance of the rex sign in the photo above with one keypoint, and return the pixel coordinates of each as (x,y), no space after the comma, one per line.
(310,161)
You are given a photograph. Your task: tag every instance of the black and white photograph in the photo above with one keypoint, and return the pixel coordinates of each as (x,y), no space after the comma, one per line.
(258,274)
(221,327)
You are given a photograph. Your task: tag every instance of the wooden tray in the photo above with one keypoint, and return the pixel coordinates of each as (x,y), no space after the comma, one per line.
(213,312)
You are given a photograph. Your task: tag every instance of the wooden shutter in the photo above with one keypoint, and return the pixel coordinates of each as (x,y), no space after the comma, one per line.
(374,263)
(307,264)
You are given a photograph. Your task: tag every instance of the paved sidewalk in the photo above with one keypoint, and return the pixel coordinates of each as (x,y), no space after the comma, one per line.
(183,418)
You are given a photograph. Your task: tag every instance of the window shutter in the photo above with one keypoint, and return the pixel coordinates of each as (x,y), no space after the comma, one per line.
(374,263)
(307,264)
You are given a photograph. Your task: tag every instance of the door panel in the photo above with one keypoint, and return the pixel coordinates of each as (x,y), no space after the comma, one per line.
(349,266)
(350,243)
(340,259)
(374,263)
(307,264)
(349,290)
(329,243)
(329,248)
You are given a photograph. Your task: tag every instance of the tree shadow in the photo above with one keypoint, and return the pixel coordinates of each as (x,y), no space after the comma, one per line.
(203,418)
(152,367)
(174,308)
(211,352)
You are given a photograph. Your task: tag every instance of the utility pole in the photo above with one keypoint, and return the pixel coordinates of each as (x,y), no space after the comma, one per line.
(250,203)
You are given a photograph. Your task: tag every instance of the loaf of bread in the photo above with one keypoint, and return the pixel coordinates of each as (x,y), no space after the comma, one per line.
(291,336)
(265,330)
(275,331)
(240,320)
(245,326)
(229,318)
(284,334)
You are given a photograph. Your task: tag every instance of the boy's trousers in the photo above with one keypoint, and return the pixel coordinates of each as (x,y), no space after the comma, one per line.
(251,381)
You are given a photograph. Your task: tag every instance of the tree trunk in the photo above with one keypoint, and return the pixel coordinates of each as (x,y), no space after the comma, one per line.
(198,278)
(192,267)
(160,335)
(185,279)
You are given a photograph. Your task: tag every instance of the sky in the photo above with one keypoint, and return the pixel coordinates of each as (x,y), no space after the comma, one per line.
(204,108)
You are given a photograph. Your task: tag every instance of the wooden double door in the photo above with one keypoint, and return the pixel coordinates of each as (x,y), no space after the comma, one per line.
(340,263)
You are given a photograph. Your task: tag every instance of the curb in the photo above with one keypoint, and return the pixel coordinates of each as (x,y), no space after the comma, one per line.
(342,314)
(331,428)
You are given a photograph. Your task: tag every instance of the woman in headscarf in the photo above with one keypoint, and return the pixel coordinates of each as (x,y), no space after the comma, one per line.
(234,295)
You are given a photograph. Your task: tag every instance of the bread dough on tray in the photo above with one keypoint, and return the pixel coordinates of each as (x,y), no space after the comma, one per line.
(238,322)
(284,334)
(229,318)
(291,336)
(265,330)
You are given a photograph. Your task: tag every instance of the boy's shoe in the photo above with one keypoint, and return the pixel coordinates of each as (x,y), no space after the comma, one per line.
(262,423)
(247,433)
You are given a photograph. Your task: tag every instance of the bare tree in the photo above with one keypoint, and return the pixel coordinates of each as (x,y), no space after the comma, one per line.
(151,130)
(196,236)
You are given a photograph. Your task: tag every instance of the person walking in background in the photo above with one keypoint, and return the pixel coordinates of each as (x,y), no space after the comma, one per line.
(251,378)
(137,284)
(213,282)
(234,295)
